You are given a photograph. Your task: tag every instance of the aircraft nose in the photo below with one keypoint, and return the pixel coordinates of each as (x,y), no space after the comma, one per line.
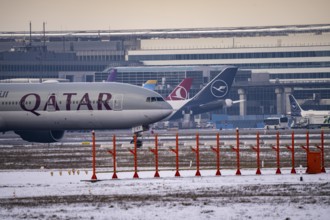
(167,110)
(167,106)
(159,113)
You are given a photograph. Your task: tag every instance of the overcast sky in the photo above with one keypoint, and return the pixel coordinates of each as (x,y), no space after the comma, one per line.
(15,15)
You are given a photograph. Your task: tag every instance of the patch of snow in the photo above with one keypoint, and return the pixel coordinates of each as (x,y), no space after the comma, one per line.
(37,194)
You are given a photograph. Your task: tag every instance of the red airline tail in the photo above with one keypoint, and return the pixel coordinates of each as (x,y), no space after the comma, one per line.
(181,91)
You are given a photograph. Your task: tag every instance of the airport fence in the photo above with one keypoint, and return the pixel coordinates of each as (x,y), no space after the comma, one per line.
(216,153)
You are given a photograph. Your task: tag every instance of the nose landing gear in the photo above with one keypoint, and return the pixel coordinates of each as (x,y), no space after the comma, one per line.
(139,142)
(138,131)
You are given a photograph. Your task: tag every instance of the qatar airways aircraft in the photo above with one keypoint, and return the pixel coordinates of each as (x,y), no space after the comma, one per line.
(41,112)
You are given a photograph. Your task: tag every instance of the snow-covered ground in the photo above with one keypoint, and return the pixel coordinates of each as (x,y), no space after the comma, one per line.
(36,194)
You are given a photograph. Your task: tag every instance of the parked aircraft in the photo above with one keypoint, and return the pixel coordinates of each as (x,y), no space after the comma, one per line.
(212,96)
(150,84)
(41,112)
(181,91)
(112,75)
(309,118)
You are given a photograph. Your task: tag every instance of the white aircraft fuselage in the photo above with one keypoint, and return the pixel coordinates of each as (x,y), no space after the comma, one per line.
(72,106)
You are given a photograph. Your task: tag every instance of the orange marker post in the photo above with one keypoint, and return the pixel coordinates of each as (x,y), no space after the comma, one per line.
(293,170)
(322,151)
(176,151)
(306,148)
(134,152)
(257,150)
(238,172)
(114,155)
(277,149)
(94,178)
(196,150)
(155,152)
(217,151)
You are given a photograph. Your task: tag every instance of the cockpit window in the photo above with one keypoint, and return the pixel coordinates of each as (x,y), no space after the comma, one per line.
(155,99)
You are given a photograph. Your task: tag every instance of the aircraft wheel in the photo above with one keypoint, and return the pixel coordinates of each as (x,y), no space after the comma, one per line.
(139,143)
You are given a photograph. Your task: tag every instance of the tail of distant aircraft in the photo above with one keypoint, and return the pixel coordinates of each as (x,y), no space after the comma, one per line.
(212,96)
(181,91)
(112,75)
(150,84)
(218,88)
(295,107)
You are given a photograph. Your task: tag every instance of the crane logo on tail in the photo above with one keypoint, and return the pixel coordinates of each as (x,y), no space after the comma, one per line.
(219,88)
(180,93)
(294,106)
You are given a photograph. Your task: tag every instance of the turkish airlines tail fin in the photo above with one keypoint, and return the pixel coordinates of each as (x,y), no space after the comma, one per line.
(181,91)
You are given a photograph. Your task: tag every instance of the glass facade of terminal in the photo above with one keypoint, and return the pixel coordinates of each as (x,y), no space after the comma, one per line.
(60,66)
(212,56)
(283,64)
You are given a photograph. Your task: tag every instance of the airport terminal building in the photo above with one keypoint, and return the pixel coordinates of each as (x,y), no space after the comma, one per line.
(273,63)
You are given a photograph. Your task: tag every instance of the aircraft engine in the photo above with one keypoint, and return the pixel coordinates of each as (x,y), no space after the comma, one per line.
(41,136)
(229,102)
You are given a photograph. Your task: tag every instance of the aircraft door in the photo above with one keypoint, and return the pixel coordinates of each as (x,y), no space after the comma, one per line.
(118,102)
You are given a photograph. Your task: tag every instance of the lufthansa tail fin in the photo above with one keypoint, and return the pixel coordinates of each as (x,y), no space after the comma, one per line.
(218,88)
(181,91)
(294,106)
(150,84)
(211,97)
